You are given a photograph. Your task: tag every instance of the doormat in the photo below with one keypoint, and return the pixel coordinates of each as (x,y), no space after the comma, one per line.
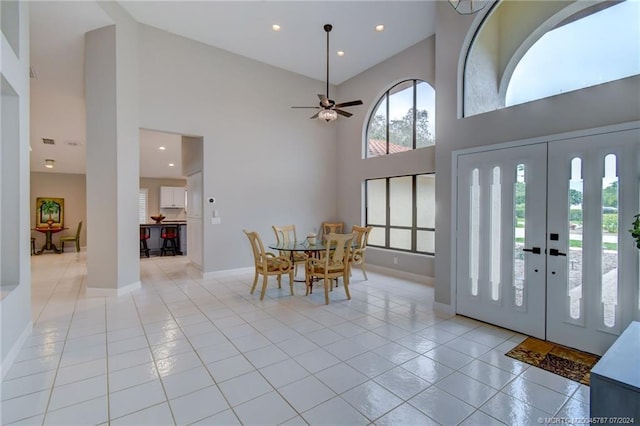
(560,360)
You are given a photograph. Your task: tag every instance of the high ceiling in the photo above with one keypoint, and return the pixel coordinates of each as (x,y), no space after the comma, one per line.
(242,27)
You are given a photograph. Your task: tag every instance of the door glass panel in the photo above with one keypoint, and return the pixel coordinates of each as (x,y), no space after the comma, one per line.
(609,282)
(519,210)
(474,231)
(496,226)
(401,201)
(574,254)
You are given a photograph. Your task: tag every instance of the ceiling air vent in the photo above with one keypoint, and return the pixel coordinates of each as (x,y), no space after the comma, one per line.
(48,141)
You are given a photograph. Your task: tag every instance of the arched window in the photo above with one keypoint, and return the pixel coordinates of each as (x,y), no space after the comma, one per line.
(524,51)
(403,119)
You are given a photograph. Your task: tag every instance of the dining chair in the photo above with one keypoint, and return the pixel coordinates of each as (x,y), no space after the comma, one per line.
(33,245)
(332,228)
(268,264)
(333,265)
(285,235)
(72,239)
(360,245)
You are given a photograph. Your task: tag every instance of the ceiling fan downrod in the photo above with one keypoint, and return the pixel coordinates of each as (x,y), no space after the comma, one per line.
(327,29)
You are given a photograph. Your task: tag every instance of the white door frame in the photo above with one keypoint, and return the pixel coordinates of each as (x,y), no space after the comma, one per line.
(454,177)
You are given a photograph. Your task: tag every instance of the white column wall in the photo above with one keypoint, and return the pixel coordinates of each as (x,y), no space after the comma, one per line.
(113,264)
(15,307)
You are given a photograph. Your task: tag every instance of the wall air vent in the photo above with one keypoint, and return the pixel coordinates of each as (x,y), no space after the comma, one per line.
(48,141)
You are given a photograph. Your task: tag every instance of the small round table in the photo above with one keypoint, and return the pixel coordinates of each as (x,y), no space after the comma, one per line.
(48,244)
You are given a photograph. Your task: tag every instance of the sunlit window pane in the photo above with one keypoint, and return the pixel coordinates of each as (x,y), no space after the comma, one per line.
(426,241)
(426,115)
(377,202)
(474,231)
(426,201)
(401,201)
(400,239)
(575,200)
(377,131)
(599,47)
(377,238)
(609,282)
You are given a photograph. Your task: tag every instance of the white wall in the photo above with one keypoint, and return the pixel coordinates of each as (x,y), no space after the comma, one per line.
(15,306)
(415,62)
(611,103)
(265,163)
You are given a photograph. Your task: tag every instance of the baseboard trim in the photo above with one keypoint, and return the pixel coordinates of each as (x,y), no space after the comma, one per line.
(7,362)
(444,308)
(113,292)
(216,274)
(422,279)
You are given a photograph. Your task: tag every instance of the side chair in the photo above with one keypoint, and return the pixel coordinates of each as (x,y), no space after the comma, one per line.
(268,264)
(333,265)
(358,254)
(72,239)
(285,235)
(332,228)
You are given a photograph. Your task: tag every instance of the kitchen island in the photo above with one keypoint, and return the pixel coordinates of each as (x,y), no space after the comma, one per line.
(155,241)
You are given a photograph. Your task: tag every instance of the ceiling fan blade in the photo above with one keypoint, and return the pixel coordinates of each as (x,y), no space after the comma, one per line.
(315,107)
(348,104)
(314,115)
(343,113)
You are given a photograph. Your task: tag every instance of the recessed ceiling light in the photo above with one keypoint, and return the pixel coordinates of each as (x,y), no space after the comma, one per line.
(340,53)
(162,148)
(379,27)
(171,164)
(275,27)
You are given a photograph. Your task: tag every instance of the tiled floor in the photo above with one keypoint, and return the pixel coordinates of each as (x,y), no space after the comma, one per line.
(183,350)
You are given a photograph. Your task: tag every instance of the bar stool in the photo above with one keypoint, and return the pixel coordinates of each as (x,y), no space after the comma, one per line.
(145,234)
(169,235)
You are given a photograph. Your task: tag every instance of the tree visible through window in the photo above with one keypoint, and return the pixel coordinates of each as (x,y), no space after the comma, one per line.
(404,119)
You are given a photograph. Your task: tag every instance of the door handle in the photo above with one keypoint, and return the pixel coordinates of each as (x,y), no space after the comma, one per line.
(555,252)
(534,250)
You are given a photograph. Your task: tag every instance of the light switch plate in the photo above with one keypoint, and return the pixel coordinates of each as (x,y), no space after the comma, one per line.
(215,221)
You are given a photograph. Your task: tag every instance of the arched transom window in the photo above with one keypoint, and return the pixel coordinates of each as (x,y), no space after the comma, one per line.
(403,119)
(524,51)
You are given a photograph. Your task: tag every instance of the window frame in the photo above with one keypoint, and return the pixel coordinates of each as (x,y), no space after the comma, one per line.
(414,228)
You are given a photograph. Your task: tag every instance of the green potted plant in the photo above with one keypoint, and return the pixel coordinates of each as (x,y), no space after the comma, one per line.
(635,231)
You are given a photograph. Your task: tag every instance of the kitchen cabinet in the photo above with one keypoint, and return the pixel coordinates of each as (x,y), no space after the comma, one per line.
(172,197)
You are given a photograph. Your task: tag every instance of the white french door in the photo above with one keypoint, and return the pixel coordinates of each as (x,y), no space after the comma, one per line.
(592,262)
(500,237)
(542,242)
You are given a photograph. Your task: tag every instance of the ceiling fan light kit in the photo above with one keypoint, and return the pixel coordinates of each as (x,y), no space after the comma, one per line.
(329,109)
(468,7)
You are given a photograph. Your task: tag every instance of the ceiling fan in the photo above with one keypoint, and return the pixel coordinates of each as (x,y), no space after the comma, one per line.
(329,109)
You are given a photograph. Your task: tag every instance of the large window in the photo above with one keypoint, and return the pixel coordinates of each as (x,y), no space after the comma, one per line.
(529,50)
(404,119)
(591,47)
(401,211)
